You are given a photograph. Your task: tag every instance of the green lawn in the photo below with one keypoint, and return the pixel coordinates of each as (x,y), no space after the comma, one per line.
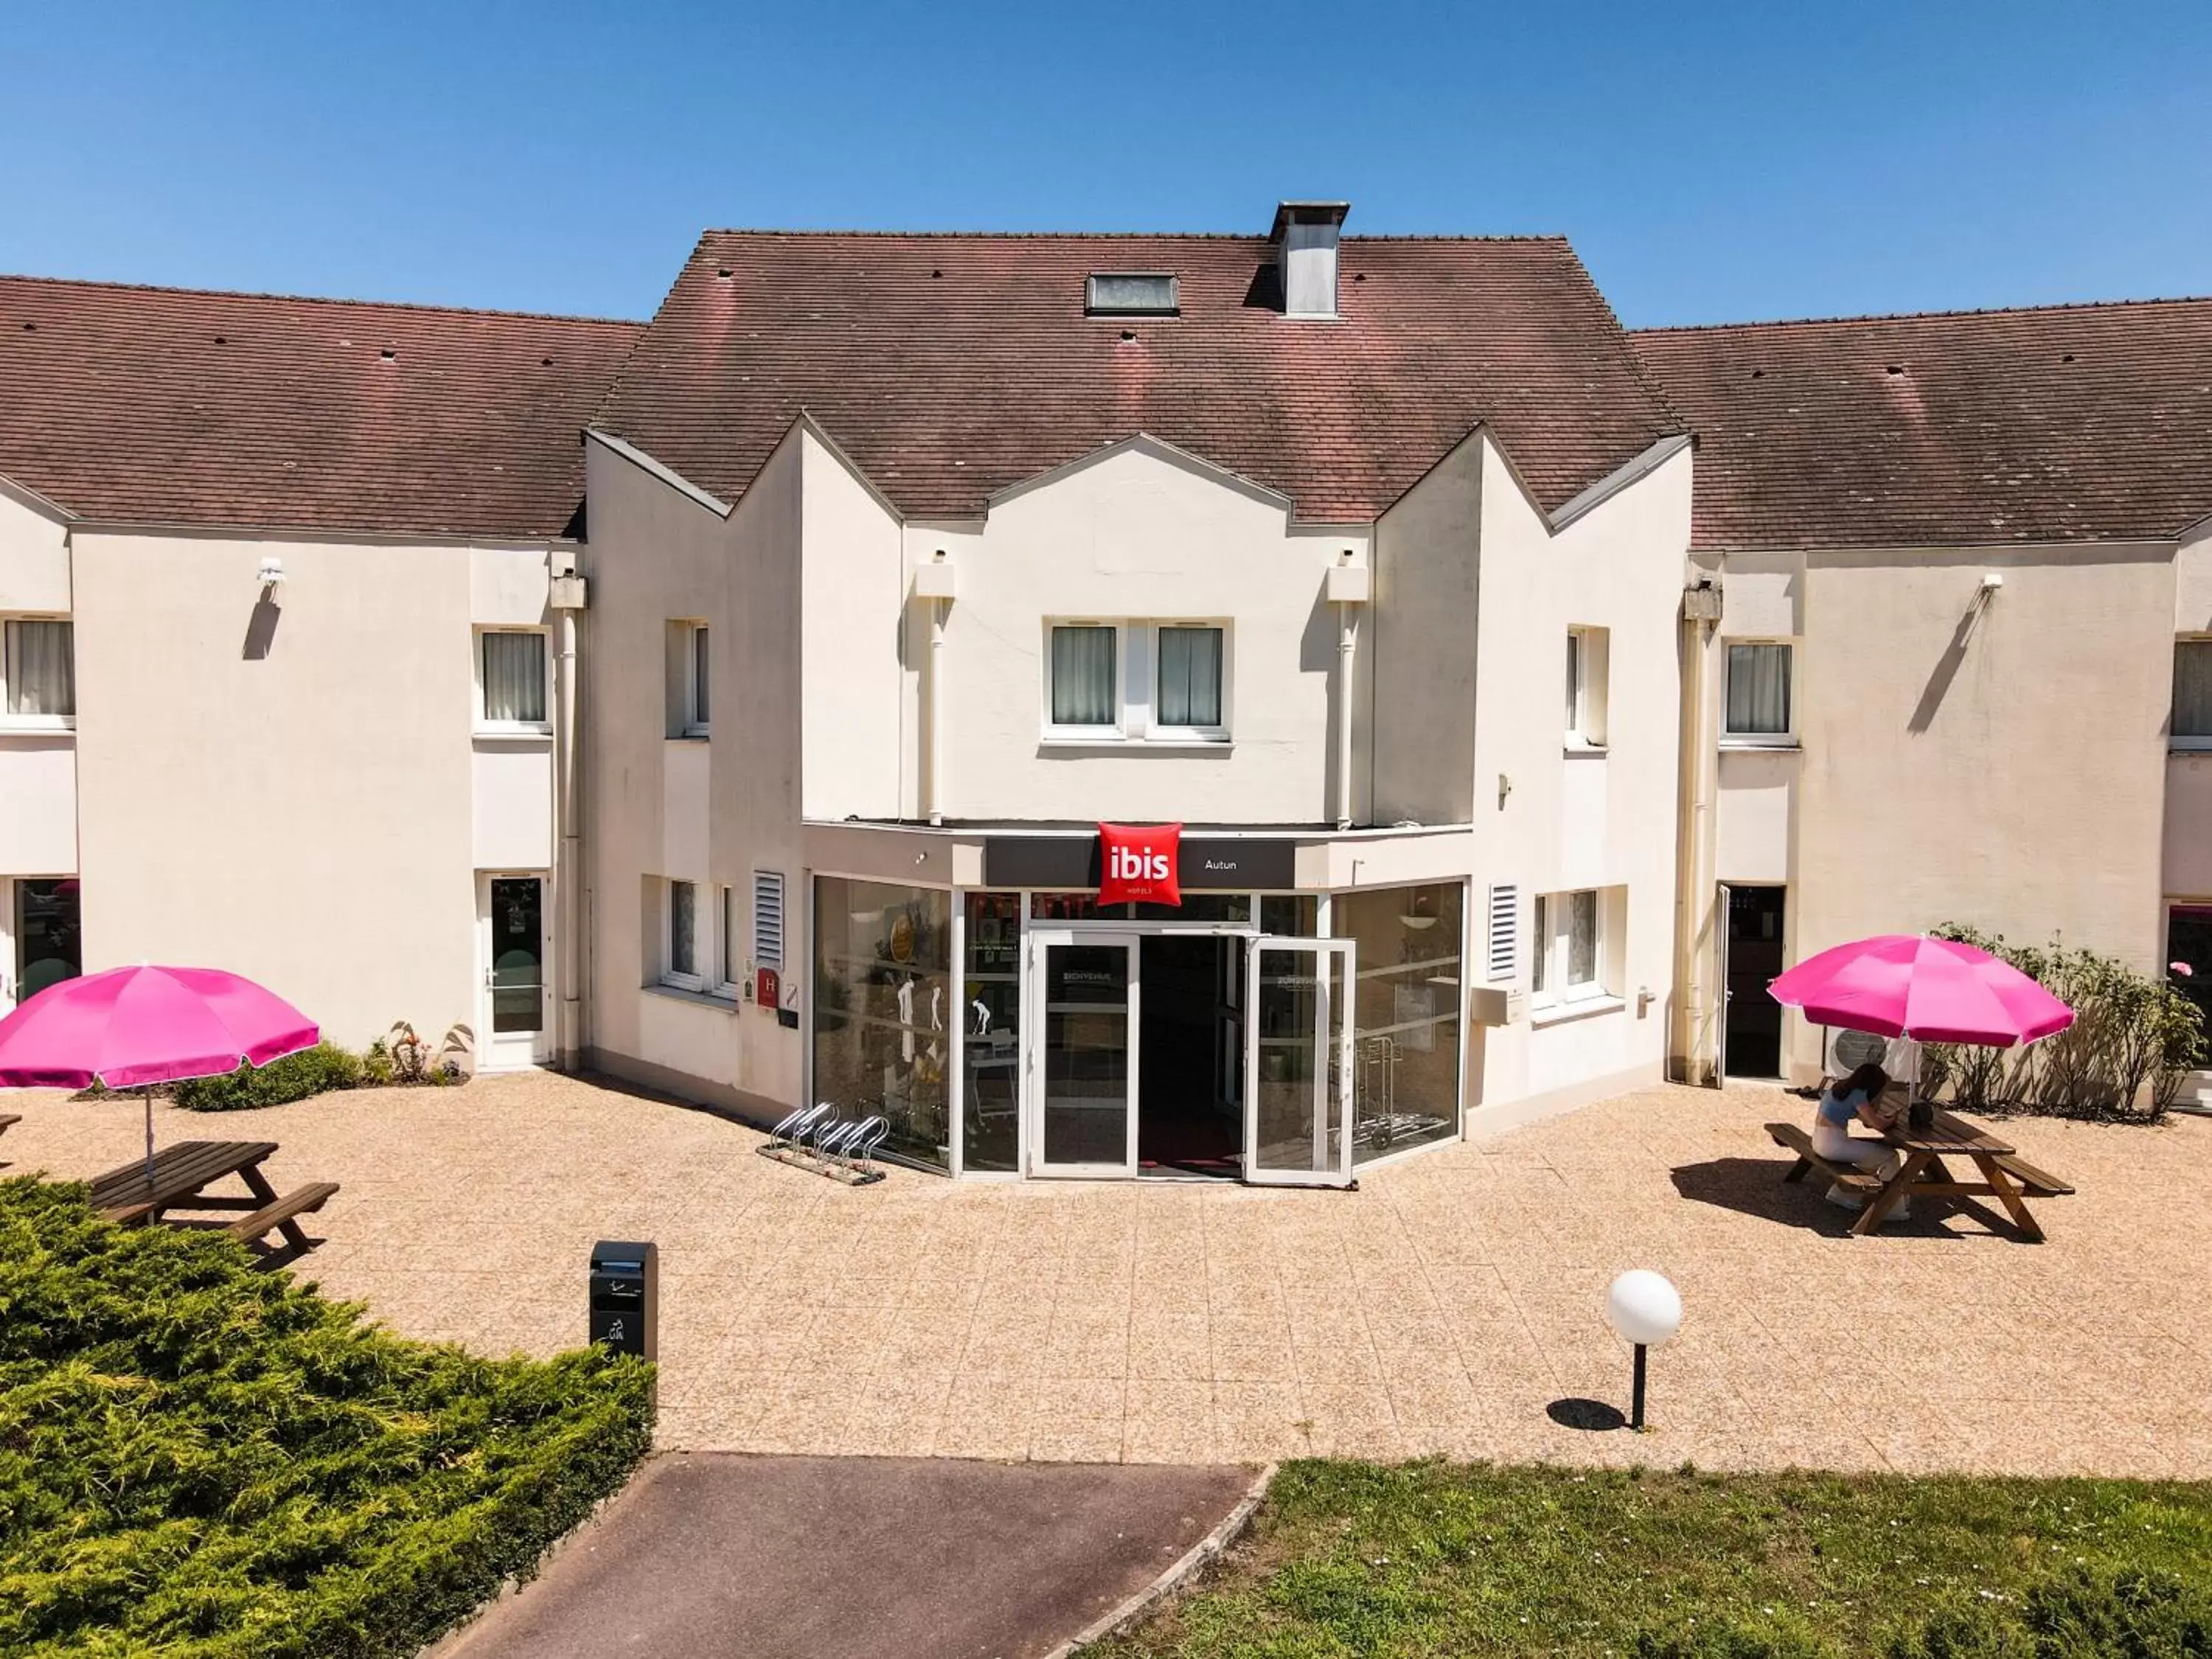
(200,1460)
(1437,1559)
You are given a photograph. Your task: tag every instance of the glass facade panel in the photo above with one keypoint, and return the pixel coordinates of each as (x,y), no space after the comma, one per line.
(992,1045)
(1289,916)
(1088,1048)
(883,1008)
(1406,1049)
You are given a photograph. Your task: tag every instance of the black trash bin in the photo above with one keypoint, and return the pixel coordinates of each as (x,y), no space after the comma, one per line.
(626,1298)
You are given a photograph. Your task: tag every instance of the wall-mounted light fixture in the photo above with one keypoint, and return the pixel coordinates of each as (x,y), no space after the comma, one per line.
(273,572)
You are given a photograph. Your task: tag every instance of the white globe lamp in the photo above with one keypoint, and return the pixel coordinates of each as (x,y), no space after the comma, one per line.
(1646,1310)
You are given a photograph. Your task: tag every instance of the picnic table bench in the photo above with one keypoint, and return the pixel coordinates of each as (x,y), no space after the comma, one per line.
(180,1176)
(2006,1176)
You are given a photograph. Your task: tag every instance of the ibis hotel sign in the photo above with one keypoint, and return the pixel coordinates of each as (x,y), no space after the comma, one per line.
(1231,864)
(1137,864)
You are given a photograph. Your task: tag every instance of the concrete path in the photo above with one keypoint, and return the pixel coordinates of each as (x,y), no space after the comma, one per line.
(856,1557)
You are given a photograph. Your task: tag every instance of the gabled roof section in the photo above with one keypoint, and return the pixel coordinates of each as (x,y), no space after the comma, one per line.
(175,406)
(1144,443)
(954,367)
(2084,423)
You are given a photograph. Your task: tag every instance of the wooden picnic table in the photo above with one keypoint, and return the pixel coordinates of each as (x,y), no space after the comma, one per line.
(182,1173)
(2005,1175)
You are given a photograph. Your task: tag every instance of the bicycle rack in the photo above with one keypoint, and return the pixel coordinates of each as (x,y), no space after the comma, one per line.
(815,1138)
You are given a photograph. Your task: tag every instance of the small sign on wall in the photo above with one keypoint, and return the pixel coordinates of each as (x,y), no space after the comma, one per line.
(767,988)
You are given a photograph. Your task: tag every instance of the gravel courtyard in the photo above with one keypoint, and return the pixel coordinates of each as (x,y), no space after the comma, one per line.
(1448,1306)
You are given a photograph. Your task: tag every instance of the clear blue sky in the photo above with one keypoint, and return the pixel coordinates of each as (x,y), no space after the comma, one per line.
(1711,162)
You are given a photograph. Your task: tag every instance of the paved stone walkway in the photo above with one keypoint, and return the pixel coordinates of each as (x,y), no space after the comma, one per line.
(714,1557)
(1448,1306)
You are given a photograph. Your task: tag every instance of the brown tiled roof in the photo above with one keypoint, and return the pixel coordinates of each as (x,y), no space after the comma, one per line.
(951,367)
(175,406)
(2059,424)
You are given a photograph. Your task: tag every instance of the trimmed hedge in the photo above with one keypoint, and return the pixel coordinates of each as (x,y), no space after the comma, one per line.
(203,1459)
(290,1076)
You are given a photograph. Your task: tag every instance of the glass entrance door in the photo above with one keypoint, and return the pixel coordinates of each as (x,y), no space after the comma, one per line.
(515,980)
(49,939)
(1297,1097)
(1083,1082)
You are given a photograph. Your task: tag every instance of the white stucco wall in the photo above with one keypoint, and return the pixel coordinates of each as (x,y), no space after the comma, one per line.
(1422,641)
(35,568)
(706,811)
(1135,533)
(1580,821)
(288,795)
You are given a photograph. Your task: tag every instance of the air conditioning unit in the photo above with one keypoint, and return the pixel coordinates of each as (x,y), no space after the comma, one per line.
(1842,1052)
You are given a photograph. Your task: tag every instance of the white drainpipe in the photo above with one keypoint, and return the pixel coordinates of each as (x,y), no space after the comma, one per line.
(1349,587)
(932,584)
(568,599)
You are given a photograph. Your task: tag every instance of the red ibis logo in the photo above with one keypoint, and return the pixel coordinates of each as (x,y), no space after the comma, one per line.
(1138,862)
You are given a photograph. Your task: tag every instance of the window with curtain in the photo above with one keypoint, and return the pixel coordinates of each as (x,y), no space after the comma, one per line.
(1190,676)
(41,670)
(1758,690)
(515,679)
(2192,689)
(1083,676)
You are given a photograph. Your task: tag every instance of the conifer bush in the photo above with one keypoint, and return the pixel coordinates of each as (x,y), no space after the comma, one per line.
(203,1459)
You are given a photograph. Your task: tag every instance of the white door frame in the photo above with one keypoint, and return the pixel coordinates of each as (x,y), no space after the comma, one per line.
(517,1050)
(1335,964)
(1038,944)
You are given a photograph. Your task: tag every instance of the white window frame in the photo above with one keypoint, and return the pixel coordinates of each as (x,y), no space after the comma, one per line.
(1784,740)
(1551,950)
(485,725)
(2197,741)
(1136,684)
(669,976)
(729,965)
(696,634)
(1152,726)
(35,722)
(1590,654)
(1116,733)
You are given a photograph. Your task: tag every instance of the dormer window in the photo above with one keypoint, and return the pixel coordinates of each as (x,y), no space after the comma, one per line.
(1131,294)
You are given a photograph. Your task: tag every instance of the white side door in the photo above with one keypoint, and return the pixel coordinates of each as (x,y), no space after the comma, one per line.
(514,1026)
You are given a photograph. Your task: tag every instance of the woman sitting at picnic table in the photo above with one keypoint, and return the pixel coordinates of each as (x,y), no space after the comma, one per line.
(1857,1098)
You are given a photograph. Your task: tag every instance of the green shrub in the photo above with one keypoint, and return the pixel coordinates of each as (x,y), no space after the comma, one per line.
(200,1460)
(2082,1615)
(2132,1044)
(292,1076)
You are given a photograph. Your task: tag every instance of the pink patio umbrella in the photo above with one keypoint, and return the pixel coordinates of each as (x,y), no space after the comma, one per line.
(1932,990)
(129,1027)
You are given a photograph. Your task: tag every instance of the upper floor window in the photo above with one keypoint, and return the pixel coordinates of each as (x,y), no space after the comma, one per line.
(1190,678)
(1086,684)
(512,680)
(38,660)
(1759,691)
(1115,680)
(1586,676)
(2192,693)
(689,661)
